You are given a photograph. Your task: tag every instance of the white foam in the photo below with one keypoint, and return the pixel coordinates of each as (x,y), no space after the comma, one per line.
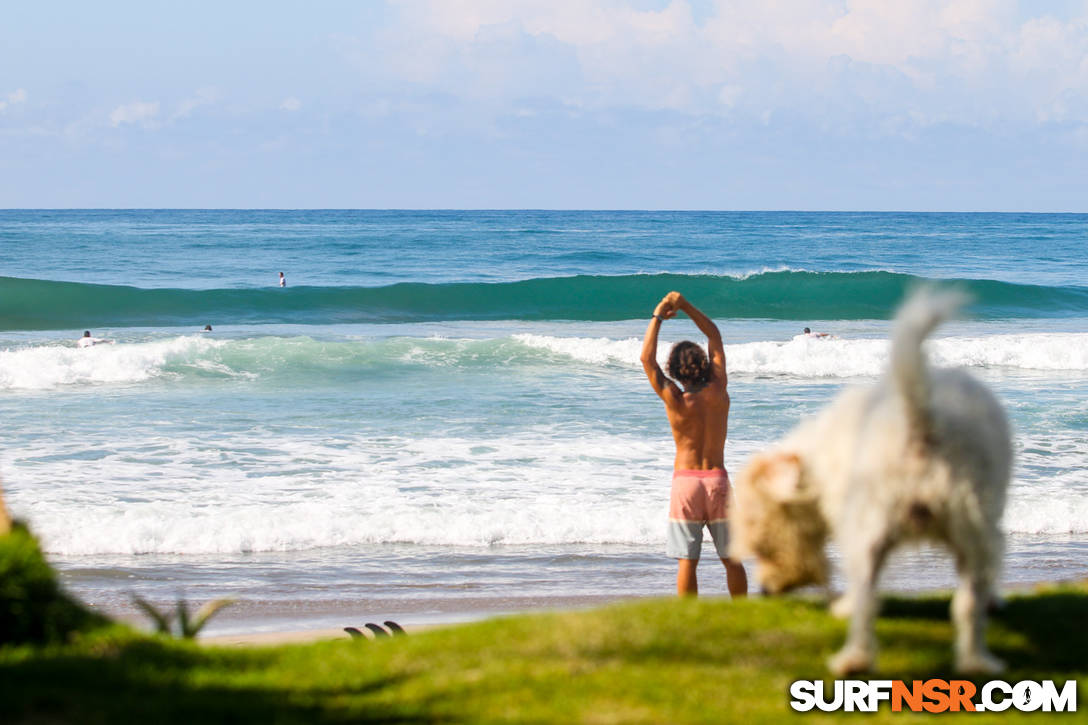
(241,494)
(1046,514)
(50,366)
(1040,351)
(843,358)
(768,270)
(1049,493)
(305,494)
(594,350)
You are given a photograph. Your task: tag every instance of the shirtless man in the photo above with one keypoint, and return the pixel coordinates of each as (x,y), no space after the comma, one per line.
(699,417)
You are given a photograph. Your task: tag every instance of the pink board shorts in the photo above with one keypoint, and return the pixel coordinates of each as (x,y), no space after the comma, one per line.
(699,498)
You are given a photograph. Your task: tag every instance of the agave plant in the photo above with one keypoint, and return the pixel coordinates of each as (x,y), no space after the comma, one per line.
(180,623)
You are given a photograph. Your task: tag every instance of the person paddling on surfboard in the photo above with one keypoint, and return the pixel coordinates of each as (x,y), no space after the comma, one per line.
(88,341)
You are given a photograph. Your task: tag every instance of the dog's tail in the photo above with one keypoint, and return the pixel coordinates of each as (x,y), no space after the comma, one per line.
(919,315)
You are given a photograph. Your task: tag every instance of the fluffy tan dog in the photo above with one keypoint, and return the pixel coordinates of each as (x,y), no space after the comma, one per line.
(923,454)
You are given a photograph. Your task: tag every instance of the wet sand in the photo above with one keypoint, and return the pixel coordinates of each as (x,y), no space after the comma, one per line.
(241,633)
(271,624)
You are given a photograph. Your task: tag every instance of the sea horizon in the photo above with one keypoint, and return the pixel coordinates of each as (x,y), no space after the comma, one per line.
(693,210)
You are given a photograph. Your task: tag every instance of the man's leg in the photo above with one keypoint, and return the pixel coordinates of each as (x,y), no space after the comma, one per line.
(686,583)
(685,545)
(735,578)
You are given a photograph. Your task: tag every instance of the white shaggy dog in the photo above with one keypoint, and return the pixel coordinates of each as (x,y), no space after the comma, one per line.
(922,454)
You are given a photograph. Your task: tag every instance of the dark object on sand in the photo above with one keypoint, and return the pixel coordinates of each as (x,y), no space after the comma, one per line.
(395,628)
(376,629)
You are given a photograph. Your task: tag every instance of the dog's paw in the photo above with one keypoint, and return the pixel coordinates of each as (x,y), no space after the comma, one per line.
(979,662)
(842,607)
(850,661)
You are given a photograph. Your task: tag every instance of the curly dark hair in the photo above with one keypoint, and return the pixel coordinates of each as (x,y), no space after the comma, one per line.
(688,364)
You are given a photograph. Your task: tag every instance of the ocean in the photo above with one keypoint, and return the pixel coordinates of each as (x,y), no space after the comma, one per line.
(443,415)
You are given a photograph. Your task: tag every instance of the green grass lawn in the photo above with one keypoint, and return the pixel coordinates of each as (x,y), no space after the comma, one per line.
(656,661)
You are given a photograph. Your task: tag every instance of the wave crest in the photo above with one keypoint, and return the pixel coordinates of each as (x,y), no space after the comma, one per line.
(787,295)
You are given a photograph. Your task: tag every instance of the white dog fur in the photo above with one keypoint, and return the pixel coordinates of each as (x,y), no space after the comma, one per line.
(923,454)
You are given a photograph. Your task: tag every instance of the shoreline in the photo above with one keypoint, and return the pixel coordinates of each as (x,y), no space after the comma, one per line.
(270,624)
(285,635)
(277,594)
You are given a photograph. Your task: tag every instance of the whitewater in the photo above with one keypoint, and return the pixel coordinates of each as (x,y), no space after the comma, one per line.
(444,414)
(195,358)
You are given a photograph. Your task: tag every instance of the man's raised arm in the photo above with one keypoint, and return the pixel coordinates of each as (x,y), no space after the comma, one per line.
(664,387)
(713,336)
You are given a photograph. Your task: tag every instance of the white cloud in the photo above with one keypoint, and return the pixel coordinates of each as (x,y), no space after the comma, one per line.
(966,61)
(13,99)
(202,97)
(143,112)
(290,104)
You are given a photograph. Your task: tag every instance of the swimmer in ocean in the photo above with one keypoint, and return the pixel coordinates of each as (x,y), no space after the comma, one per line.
(88,341)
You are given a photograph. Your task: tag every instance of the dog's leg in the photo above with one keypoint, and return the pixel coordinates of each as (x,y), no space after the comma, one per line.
(863,560)
(838,604)
(977,561)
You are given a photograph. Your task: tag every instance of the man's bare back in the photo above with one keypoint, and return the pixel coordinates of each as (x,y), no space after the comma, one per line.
(699,421)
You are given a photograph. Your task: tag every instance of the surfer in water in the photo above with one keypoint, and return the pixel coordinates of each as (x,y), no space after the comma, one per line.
(88,341)
(283,280)
(816,335)
(698,414)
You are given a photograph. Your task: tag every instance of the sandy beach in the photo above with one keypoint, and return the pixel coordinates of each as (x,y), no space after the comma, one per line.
(246,624)
(274,615)
(269,639)
(305,635)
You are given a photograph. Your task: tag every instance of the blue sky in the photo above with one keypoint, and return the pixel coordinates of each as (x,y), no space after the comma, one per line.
(689,104)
